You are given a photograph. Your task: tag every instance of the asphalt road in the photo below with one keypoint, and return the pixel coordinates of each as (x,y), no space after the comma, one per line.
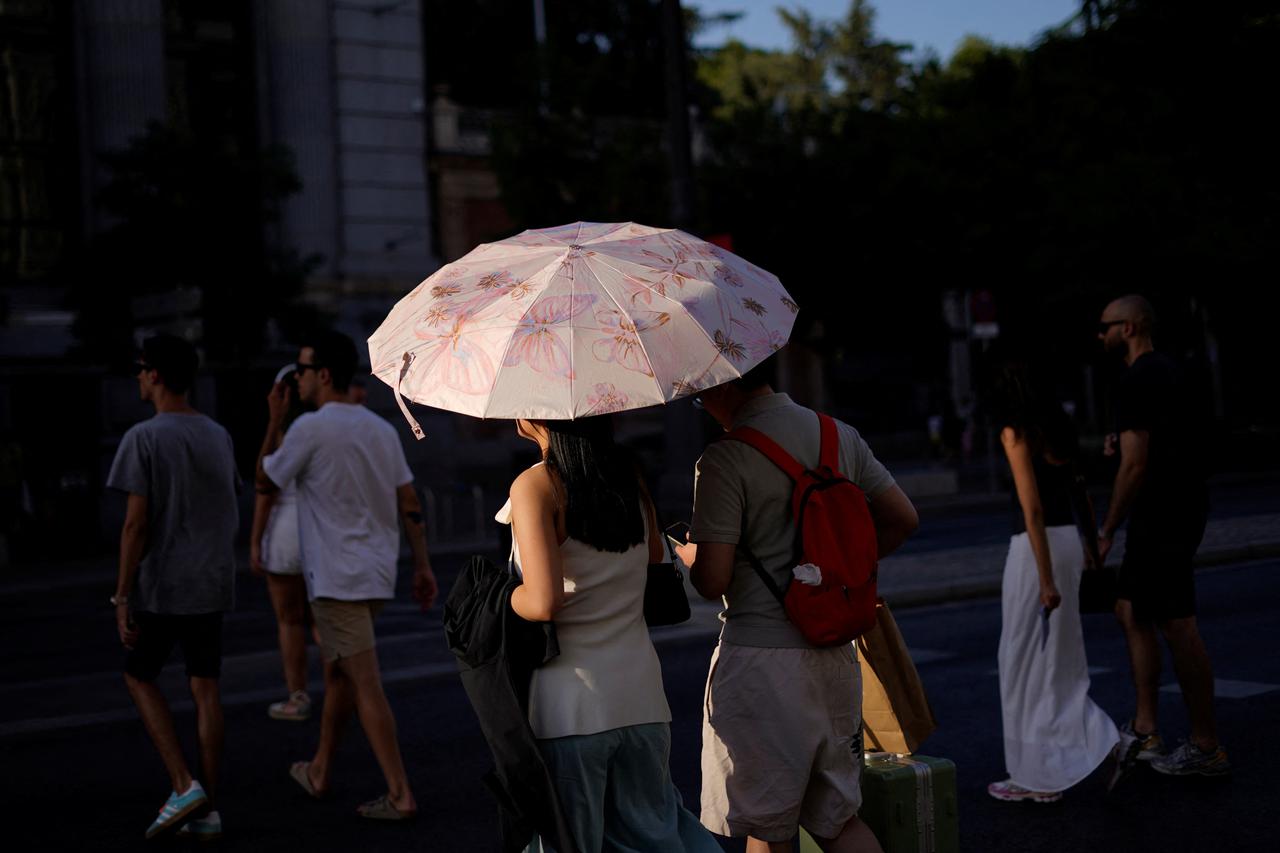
(80,774)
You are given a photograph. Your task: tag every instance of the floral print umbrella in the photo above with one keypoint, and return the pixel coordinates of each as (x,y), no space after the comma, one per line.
(579,320)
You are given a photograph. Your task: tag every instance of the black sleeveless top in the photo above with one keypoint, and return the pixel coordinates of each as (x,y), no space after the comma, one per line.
(1054,484)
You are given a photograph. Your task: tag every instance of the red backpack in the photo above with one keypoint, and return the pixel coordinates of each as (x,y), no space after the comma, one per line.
(834,532)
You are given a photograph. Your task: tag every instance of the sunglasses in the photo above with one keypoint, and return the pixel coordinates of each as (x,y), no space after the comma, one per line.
(140,366)
(300,368)
(1105,325)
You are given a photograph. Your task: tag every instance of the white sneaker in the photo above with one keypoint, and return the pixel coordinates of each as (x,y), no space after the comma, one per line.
(1010,792)
(297,708)
(207,828)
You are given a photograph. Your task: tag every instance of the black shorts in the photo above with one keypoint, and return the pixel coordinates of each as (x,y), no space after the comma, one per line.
(1157,575)
(199,635)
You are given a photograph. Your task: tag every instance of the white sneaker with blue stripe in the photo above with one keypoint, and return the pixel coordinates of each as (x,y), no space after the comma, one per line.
(177,809)
(207,828)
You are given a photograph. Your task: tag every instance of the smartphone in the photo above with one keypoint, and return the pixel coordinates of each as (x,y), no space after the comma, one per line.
(678,534)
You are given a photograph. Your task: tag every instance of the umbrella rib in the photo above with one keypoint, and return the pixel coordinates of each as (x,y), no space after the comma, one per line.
(573,292)
(600,258)
(601,237)
(623,312)
(498,367)
(697,324)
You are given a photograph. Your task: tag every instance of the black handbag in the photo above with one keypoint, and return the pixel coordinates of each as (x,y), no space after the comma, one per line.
(1098,590)
(665,600)
(1098,585)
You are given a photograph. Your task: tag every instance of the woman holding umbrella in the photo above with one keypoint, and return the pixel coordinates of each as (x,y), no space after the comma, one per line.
(555,329)
(585,531)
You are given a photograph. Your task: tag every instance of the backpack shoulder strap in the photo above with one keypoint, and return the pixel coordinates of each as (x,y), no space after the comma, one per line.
(779,593)
(770,448)
(829,455)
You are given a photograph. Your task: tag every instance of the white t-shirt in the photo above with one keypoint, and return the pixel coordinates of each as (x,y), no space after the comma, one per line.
(347,463)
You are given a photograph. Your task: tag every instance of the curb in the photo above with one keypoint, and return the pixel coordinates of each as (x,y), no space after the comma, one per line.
(989,587)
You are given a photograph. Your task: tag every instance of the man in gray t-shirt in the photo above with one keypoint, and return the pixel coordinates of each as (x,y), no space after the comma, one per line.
(182,463)
(781,717)
(177,569)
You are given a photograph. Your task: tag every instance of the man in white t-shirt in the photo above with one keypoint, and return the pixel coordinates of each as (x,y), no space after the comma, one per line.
(353,487)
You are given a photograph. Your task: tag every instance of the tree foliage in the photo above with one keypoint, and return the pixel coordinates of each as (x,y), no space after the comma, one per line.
(1129,150)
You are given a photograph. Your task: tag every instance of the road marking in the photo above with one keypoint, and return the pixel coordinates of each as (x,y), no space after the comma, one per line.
(1093,670)
(426,672)
(1225,688)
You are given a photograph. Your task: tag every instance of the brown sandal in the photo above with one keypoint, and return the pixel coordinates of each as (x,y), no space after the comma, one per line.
(300,772)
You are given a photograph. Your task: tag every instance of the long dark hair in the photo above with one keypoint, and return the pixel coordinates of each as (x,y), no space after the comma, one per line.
(601,483)
(1021,399)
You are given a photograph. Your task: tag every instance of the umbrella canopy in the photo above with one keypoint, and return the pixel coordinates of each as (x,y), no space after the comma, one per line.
(584,319)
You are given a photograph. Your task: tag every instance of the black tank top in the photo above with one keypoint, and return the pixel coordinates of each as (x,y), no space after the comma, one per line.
(1054,484)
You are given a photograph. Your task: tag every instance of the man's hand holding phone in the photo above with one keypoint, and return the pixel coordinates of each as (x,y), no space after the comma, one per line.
(678,535)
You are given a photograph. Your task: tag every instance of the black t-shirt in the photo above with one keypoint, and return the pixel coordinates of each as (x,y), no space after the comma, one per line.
(1053,482)
(1154,398)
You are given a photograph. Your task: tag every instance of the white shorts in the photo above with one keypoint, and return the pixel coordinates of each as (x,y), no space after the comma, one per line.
(281,550)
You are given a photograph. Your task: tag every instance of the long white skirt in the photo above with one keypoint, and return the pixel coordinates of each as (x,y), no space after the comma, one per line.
(1054,734)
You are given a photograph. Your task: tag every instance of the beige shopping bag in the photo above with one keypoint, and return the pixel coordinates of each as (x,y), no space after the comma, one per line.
(896,716)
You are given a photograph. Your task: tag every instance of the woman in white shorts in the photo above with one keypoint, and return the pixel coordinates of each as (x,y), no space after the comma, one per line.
(275,553)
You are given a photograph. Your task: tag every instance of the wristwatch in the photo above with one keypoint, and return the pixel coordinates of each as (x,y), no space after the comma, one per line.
(117,600)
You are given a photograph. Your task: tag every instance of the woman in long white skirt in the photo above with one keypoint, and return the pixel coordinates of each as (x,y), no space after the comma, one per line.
(1054,734)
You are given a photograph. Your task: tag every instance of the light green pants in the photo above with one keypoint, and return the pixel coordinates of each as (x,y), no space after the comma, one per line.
(616,791)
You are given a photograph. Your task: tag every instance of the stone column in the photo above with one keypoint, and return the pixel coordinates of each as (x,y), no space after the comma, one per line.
(297,80)
(121,76)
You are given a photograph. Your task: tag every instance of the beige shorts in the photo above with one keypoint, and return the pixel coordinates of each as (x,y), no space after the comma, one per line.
(778,737)
(345,627)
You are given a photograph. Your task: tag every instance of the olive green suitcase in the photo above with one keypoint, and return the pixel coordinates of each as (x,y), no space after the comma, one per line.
(909,802)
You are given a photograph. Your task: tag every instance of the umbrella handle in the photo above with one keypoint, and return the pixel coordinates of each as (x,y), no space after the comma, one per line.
(404,410)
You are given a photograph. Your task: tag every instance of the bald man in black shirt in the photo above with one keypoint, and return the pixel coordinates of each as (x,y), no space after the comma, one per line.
(1160,487)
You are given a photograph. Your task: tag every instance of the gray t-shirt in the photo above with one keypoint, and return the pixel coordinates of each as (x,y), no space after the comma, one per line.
(184,466)
(740,497)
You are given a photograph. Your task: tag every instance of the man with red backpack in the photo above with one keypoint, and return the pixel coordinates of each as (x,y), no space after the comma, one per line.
(791,511)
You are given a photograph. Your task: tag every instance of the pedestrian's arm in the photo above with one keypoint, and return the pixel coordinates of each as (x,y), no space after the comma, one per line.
(415,529)
(1082,506)
(1024,481)
(1134,447)
(718,508)
(894,517)
(533,522)
(263,503)
(710,567)
(657,544)
(277,408)
(133,542)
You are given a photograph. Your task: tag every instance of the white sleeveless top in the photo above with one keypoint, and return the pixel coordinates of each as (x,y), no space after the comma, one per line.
(607,675)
